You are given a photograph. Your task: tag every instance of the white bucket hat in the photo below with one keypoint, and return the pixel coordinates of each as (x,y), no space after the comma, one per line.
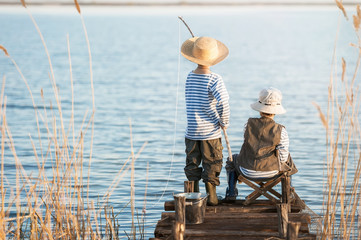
(205,51)
(269,101)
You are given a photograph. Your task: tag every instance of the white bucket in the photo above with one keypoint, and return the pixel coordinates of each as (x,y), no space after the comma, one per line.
(196,204)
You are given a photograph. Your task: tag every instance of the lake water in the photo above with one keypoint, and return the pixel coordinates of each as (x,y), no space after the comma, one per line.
(135,62)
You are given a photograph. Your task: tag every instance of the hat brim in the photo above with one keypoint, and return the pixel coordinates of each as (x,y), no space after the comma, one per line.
(187,52)
(278,109)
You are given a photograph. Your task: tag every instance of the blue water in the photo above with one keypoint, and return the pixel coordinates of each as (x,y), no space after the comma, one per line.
(135,64)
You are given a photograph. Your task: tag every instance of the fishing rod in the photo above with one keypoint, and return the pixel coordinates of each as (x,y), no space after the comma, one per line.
(228,145)
(231,191)
(181,18)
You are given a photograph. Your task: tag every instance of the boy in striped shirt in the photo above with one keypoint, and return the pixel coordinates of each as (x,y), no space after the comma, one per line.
(207,112)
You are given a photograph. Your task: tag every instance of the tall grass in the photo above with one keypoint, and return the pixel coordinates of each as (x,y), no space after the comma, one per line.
(56,204)
(342,189)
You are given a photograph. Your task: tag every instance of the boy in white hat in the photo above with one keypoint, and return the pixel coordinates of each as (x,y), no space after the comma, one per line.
(265,148)
(207,112)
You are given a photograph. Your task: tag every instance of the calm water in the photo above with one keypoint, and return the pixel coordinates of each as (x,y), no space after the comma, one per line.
(135,62)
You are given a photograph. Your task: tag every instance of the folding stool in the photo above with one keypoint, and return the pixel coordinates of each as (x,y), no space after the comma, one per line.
(264,186)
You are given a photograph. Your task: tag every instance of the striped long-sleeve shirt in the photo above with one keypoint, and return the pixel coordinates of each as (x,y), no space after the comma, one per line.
(283,157)
(207,106)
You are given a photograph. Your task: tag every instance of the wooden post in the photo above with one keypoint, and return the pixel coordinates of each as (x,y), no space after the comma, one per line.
(282,211)
(292,230)
(188,186)
(286,190)
(179,225)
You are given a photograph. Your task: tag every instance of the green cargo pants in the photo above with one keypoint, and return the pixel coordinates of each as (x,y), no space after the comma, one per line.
(207,152)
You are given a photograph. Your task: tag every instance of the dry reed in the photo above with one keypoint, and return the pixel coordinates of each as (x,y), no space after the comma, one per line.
(342,193)
(56,205)
(5,51)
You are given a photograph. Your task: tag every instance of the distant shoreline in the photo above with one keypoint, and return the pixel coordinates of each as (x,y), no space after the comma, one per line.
(129,4)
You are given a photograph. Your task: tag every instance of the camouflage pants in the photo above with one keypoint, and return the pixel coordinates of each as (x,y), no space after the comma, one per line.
(207,152)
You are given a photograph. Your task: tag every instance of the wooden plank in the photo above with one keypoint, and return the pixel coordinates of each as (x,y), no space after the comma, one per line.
(233,226)
(228,237)
(169,205)
(237,206)
(195,233)
(300,217)
(243,218)
(246,235)
(210,233)
(301,236)
(302,229)
(243,209)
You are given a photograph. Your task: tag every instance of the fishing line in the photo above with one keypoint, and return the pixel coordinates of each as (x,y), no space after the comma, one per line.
(175,117)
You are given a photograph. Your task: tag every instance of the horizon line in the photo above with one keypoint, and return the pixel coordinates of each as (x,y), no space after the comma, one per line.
(181,3)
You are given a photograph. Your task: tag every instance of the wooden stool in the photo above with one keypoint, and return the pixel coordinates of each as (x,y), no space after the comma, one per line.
(265,187)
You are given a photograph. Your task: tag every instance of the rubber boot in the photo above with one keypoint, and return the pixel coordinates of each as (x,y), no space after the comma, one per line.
(196,186)
(232,191)
(212,198)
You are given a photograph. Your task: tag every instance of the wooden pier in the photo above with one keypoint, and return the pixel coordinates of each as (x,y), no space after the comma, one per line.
(261,219)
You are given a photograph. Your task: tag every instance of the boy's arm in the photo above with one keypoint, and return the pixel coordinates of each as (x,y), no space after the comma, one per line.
(219,91)
(283,146)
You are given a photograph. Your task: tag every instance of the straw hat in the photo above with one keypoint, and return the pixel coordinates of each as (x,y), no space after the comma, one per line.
(205,51)
(269,101)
